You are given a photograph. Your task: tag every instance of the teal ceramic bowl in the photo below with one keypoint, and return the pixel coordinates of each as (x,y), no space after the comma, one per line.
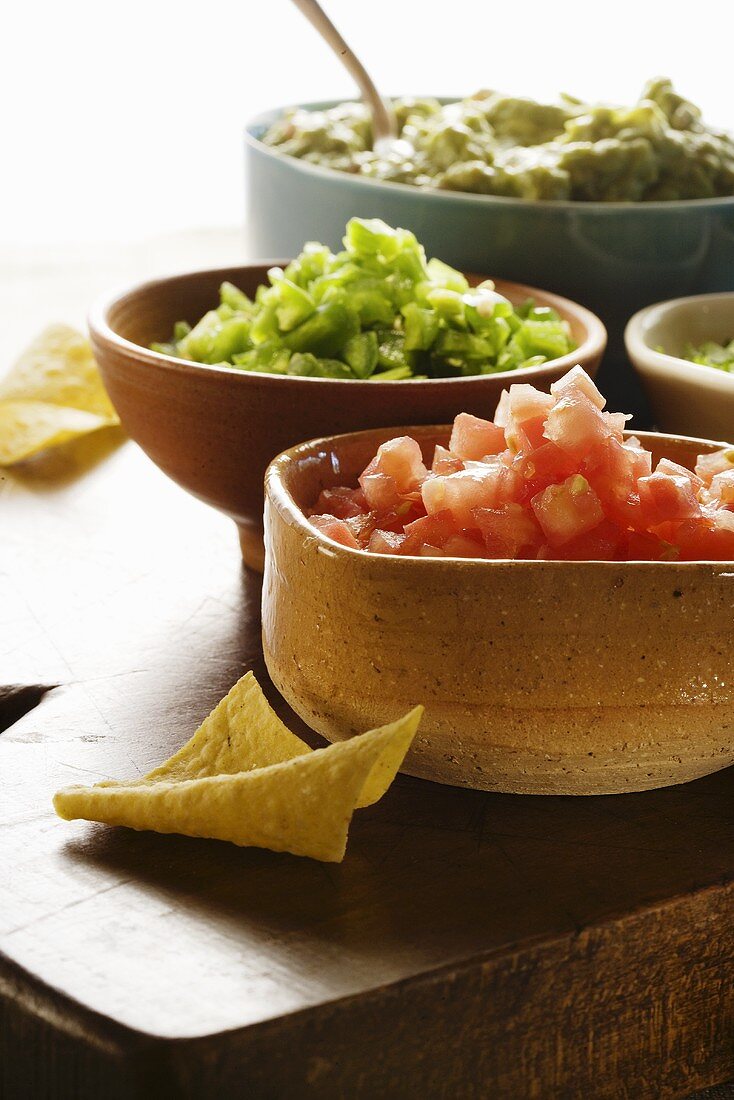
(614,258)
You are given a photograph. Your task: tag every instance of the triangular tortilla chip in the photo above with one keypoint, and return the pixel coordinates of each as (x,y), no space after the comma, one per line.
(243,732)
(53,394)
(244,777)
(27,427)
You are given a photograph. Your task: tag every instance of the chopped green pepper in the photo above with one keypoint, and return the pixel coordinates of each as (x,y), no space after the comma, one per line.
(711,354)
(378,310)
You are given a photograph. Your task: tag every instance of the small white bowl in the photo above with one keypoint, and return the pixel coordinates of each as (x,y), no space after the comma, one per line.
(685,397)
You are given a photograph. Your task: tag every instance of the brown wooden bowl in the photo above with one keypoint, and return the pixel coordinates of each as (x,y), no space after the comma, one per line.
(214,430)
(538,677)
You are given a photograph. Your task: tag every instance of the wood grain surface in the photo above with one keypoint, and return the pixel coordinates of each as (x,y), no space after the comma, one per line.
(471,944)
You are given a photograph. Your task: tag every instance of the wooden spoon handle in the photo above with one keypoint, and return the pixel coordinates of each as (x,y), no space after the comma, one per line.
(384,125)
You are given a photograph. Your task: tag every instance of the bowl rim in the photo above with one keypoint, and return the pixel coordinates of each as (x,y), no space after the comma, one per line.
(102,332)
(279,497)
(648,359)
(433,194)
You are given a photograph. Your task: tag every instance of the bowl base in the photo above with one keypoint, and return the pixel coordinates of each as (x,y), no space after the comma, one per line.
(574,781)
(562,751)
(252,547)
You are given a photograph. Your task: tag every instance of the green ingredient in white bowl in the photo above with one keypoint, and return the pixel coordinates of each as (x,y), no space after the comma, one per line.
(659,149)
(711,354)
(378,310)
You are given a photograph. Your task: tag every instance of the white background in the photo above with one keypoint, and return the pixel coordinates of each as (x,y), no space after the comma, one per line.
(122,121)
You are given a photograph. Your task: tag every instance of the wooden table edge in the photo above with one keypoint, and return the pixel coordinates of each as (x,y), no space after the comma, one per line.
(320,1043)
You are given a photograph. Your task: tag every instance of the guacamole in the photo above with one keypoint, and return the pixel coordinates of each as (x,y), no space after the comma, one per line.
(378,310)
(492,144)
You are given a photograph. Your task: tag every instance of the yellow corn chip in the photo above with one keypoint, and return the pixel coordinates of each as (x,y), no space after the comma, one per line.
(53,394)
(244,777)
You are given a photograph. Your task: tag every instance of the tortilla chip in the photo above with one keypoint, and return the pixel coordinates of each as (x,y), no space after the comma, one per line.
(244,777)
(53,394)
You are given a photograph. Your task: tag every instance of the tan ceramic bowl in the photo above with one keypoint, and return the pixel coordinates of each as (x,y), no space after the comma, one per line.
(537,677)
(214,430)
(684,397)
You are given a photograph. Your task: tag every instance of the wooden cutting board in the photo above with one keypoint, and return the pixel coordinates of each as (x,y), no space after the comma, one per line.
(471,944)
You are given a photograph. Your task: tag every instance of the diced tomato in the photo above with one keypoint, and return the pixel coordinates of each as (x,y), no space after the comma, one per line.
(474,438)
(611,472)
(576,425)
(444,462)
(361,527)
(509,531)
(640,458)
(396,469)
(542,467)
(554,477)
(616,423)
(722,488)
(527,409)
(395,519)
(335,529)
(610,469)
(666,497)
(603,543)
(628,513)
(641,546)
(665,466)
(460,493)
(577,380)
(665,531)
(502,412)
(715,463)
(428,551)
(380,490)
(708,539)
(528,435)
(567,510)
(341,502)
(402,460)
(526,403)
(463,546)
(386,542)
(723,521)
(431,530)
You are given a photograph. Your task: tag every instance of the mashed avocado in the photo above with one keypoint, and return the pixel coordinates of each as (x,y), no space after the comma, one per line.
(493,144)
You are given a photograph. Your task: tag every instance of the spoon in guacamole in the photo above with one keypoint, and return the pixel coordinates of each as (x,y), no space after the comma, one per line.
(384,122)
